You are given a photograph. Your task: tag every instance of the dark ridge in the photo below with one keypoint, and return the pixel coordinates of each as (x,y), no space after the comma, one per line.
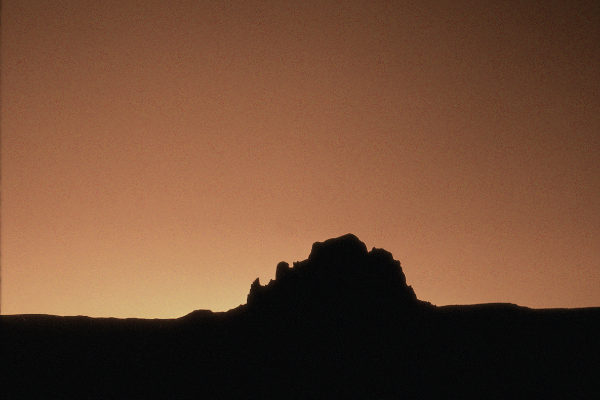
(199,314)
(341,324)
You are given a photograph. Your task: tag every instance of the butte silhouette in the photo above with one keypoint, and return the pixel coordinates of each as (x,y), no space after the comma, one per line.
(341,324)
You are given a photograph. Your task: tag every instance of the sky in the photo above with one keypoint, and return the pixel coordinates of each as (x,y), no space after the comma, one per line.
(158,156)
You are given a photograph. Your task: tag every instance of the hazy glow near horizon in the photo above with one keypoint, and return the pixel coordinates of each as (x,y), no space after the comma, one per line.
(158,156)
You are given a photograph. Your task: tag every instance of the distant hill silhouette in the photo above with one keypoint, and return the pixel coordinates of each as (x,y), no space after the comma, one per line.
(341,324)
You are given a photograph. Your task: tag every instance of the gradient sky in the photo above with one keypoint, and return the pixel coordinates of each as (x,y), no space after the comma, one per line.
(158,156)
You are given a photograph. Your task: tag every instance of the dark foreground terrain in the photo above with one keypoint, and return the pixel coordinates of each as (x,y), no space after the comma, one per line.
(342,324)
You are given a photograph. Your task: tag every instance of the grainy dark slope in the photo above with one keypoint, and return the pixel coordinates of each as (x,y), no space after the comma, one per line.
(342,324)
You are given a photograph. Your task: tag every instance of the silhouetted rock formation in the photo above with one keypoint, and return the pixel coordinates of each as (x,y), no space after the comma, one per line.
(341,324)
(339,275)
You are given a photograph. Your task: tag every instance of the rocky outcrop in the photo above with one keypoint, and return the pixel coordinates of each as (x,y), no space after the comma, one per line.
(339,274)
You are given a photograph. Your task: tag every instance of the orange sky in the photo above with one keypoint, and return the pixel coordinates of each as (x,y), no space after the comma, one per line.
(157,156)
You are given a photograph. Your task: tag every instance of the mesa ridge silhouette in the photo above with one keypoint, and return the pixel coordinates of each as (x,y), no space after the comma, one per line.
(341,324)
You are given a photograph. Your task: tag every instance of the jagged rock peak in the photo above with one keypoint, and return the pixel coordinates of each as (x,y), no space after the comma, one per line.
(341,248)
(337,270)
